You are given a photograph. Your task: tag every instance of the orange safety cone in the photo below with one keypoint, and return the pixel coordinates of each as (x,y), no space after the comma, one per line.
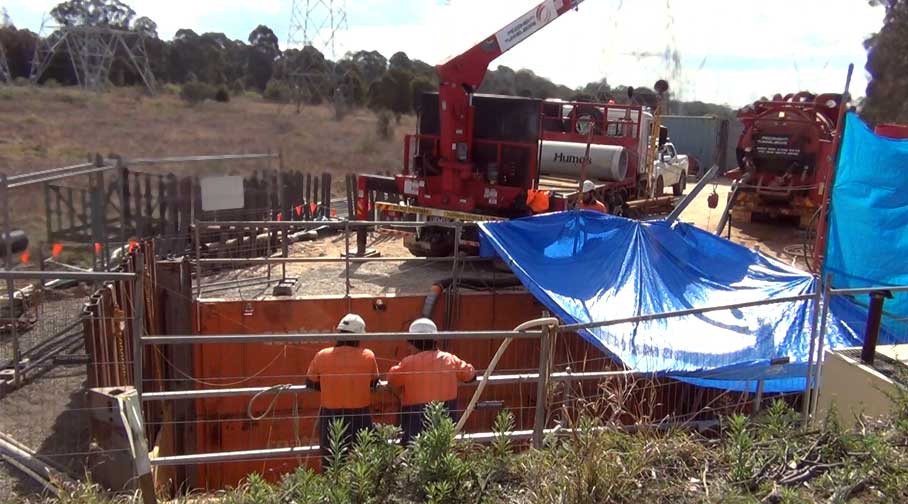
(299,210)
(56,250)
(99,247)
(280,216)
(24,257)
(133,245)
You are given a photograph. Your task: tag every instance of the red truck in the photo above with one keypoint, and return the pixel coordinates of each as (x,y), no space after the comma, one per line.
(479,157)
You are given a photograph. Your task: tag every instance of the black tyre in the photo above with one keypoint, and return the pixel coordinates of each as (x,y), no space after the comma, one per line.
(678,189)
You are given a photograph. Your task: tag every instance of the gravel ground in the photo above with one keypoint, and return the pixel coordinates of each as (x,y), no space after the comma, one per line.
(46,414)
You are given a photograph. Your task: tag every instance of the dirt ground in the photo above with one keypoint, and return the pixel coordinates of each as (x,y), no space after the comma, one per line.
(779,240)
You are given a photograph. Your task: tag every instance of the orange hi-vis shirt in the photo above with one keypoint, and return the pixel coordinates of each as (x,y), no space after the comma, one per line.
(345,374)
(596,205)
(429,376)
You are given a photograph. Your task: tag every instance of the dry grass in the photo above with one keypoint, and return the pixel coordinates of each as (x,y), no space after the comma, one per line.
(44,128)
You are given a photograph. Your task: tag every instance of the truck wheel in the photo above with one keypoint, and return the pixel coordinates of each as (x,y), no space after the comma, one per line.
(660,187)
(678,189)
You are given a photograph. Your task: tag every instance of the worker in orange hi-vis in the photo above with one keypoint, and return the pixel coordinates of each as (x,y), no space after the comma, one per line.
(346,375)
(428,376)
(588,199)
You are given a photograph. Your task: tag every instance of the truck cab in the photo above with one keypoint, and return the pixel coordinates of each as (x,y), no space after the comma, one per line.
(671,169)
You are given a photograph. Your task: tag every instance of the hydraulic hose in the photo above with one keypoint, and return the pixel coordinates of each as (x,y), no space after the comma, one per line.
(530,324)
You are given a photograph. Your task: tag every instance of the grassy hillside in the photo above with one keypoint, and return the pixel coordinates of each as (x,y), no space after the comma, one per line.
(43,128)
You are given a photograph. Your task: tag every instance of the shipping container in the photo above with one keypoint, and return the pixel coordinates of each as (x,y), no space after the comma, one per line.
(710,140)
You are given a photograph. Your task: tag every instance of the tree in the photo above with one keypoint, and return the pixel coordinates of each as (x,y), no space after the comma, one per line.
(263,39)
(400,61)
(260,57)
(108,13)
(372,65)
(888,66)
(146,27)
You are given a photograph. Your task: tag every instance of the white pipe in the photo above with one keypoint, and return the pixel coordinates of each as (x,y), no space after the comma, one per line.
(529,324)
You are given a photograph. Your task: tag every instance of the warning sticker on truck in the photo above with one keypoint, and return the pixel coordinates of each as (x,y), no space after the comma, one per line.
(776,146)
(528,24)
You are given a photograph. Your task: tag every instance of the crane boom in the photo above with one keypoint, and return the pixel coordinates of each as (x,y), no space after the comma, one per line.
(461,75)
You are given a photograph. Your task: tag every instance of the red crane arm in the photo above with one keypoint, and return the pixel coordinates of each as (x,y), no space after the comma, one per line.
(470,67)
(461,75)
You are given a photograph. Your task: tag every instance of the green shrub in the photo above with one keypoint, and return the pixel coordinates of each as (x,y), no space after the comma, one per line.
(21,82)
(171,89)
(277,91)
(194,93)
(237,88)
(51,84)
(222,95)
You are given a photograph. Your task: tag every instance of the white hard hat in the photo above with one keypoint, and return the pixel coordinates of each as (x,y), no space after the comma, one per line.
(423,325)
(588,186)
(351,323)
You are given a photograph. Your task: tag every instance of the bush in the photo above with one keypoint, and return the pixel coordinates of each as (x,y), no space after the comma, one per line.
(277,91)
(171,89)
(196,92)
(51,84)
(237,88)
(222,95)
(383,126)
(21,82)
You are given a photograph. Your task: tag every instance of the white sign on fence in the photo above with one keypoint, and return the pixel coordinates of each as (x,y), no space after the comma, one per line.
(222,193)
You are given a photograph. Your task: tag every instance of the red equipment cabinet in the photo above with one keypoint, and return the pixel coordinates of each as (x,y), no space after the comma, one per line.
(787,154)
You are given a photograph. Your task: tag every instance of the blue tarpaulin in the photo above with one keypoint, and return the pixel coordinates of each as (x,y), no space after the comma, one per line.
(588,267)
(868,242)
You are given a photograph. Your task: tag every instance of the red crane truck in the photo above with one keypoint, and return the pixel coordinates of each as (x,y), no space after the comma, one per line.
(480,157)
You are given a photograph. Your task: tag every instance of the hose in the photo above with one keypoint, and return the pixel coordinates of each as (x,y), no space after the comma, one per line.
(276,390)
(530,324)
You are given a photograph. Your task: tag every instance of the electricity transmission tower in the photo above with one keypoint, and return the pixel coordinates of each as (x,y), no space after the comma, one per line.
(317,24)
(92,51)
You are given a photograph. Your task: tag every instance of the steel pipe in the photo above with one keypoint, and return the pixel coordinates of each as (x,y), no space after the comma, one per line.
(193,159)
(352,259)
(87,276)
(504,379)
(478,437)
(339,224)
(867,290)
(681,313)
(320,337)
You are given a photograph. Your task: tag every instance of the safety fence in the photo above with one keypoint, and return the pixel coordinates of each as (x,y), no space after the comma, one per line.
(223,378)
(95,212)
(211,420)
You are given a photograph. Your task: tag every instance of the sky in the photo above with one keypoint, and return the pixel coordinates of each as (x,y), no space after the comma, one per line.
(729,51)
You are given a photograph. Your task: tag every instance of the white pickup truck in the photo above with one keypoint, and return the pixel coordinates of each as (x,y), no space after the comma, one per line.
(671,170)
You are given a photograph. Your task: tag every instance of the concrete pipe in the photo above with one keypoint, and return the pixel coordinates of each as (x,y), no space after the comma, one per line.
(607,162)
